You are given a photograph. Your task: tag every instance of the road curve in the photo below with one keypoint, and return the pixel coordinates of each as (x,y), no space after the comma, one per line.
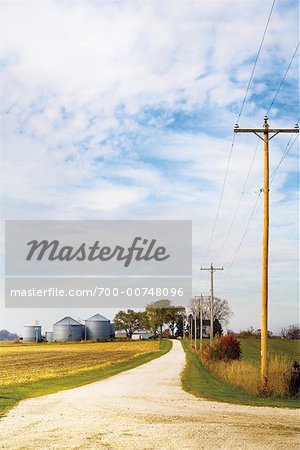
(144,408)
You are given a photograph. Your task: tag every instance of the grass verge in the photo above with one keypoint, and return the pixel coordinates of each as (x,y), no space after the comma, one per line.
(199,381)
(10,396)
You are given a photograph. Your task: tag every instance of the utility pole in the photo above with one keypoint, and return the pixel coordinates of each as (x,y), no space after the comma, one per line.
(191,329)
(265,244)
(212,269)
(201,322)
(195,329)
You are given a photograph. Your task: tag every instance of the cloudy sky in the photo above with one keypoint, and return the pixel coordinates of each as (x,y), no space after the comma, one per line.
(126,109)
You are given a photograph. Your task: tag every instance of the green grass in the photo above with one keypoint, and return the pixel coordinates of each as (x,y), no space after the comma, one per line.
(10,396)
(199,381)
(251,348)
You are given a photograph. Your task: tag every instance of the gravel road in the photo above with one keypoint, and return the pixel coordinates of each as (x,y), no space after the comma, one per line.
(144,408)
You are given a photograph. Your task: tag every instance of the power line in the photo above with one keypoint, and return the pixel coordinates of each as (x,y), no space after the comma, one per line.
(255,151)
(233,139)
(221,198)
(235,255)
(283,78)
(256,59)
(240,199)
(284,155)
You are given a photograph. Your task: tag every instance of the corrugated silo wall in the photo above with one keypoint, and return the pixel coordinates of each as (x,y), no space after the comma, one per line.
(112,330)
(32,333)
(97,329)
(49,336)
(65,333)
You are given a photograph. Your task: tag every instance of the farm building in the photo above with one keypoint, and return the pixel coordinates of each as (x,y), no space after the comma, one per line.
(120,334)
(141,335)
(32,333)
(49,336)
(97,327)
(68,329)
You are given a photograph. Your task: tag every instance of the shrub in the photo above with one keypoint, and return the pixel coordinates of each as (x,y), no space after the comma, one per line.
(224,348)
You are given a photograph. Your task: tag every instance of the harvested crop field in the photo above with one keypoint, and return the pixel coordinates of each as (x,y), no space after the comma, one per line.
(24,363)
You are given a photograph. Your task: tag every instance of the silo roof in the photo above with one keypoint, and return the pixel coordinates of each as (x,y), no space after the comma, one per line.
(67,321)
(97,318)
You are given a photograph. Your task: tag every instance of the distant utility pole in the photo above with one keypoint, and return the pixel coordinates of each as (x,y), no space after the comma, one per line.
(212,269)
(195,329)
(201,322)
(265,246)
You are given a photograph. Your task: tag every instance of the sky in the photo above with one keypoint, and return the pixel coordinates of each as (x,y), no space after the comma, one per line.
(126,109)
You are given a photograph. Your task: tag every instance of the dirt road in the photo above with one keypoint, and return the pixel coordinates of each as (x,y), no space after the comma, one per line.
(144,408)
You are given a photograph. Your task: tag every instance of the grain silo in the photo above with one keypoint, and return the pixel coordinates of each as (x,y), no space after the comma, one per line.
(32,333)
(49,336)
(112,330)
(97,327)
(68,329)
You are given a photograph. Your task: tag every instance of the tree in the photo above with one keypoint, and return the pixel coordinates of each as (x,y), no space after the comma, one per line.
(179,326)
(174,317)
(222,310)
(129,321)
(291,332)
(157,315)
(5,335)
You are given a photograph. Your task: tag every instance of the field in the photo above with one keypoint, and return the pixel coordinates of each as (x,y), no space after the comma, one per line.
(251,348)
(23,363)
(237,382)
(30,370)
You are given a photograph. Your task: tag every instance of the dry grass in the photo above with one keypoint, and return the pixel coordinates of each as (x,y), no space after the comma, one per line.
(246,375)
(23,363)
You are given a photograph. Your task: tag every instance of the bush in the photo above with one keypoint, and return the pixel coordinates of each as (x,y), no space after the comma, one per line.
(224,348)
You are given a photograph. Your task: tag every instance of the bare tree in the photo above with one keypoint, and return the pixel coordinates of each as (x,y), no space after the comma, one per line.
(292,332)
(222,310)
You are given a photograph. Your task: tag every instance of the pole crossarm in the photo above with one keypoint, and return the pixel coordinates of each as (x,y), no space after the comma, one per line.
(263,130)
(275,131)
(212,268)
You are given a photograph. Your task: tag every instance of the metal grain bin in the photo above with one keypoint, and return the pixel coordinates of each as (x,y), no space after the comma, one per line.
(68,329)
(32,333)
(49,336)
(97,327)
(112,330)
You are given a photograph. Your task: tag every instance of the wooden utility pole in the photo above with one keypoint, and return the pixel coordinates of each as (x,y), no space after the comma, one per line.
(201,322)
(191,329)
(212,269)
(195,329)
(265,244)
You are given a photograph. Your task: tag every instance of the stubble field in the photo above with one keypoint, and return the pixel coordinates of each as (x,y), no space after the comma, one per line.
(25,362)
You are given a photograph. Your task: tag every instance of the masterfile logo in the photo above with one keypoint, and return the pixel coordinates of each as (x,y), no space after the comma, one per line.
(82,261)
(141,249)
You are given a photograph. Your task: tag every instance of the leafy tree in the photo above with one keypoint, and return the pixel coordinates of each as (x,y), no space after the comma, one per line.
(130,321)
(174,317)
(218,330)
(180,325)
(5,335)
(157,315)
